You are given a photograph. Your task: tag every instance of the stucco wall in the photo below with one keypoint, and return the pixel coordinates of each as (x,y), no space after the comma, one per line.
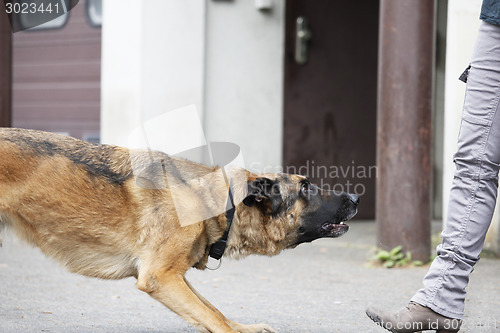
(244,79)
(223,57)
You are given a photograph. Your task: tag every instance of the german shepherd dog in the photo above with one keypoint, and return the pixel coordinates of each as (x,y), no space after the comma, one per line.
(85,206)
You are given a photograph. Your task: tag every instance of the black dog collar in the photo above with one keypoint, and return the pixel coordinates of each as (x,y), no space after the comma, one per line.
(217,249)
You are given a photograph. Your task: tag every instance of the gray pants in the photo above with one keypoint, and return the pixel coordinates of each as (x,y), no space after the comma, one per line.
(474,190)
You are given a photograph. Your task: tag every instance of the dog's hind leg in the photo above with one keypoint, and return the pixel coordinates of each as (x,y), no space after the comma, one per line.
(171,290)
(258,328)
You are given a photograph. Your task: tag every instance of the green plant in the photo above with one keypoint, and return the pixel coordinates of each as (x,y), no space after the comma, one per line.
(396,258)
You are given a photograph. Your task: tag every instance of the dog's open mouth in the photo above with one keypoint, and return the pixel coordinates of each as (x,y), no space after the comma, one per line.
(334,229)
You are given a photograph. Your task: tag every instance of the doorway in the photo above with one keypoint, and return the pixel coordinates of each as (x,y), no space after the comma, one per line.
(330,97)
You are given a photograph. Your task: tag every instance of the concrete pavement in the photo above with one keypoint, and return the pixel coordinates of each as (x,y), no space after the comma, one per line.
(320,287)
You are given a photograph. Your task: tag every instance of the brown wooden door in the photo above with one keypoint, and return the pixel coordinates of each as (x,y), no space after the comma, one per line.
(330,101)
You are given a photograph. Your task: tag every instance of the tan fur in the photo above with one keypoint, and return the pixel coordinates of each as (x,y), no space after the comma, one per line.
(82,205)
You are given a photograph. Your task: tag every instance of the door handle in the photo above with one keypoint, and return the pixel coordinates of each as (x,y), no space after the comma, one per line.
(302,37)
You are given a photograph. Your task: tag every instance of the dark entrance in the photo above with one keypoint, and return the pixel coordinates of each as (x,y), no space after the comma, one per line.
(330,99)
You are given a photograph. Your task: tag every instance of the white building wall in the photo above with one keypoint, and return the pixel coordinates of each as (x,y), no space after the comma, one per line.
(244,79)
(120,70)
(153,54)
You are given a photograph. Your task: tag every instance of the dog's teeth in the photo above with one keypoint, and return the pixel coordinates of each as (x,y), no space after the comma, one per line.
(342,222)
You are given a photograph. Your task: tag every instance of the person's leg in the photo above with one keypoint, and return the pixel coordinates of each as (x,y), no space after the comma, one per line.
(473,194)
(474,191)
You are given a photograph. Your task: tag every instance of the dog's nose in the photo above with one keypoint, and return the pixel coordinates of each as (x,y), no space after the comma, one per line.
(353,198)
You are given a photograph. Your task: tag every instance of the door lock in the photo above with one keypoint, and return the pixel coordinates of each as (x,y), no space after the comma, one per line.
(302,37)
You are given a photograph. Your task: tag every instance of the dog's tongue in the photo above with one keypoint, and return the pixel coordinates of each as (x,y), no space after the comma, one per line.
(332,226)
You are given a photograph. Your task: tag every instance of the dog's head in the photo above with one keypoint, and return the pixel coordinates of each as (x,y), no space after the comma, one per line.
(282,211)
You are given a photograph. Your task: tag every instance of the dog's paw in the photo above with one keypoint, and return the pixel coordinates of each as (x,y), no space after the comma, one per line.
(257,328)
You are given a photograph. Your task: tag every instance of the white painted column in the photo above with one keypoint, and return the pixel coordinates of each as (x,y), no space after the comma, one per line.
(153,54)
(463,25)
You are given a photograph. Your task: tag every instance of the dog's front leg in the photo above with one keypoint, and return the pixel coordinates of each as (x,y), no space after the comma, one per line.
(257,328)
(171,290)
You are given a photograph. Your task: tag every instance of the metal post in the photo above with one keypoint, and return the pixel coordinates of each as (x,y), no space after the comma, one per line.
(405,82)
(5,69)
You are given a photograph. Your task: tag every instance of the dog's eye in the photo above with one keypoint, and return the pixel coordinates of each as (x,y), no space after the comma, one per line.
(305,189)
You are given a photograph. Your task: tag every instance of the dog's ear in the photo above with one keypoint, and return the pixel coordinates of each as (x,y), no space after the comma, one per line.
(265,194)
